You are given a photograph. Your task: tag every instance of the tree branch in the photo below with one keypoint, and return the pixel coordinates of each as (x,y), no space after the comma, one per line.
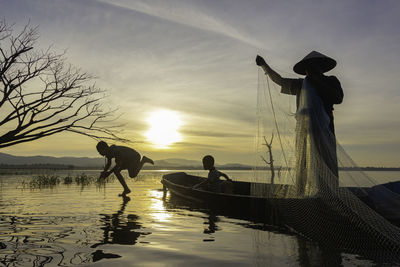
(40,95)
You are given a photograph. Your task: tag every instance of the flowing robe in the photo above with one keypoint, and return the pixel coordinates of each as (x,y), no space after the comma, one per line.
(316,161)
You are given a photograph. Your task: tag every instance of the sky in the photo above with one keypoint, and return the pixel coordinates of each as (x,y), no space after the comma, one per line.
(196,60)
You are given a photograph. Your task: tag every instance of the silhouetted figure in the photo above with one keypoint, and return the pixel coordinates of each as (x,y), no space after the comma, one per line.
(317,88)
(211,222)
(125,159)
(119,228)
(314,65)
(213,183)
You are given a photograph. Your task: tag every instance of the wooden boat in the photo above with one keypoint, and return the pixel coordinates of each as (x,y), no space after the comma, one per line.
(287,212)
(181,184)
(240,204)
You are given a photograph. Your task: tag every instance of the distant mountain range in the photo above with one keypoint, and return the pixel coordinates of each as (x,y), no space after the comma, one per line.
(8,159)
(81,162)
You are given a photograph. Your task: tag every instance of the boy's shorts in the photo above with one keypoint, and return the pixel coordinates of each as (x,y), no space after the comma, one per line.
(132,165)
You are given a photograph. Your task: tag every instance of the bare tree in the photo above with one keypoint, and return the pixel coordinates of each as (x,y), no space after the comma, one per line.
(271,159)
(41,95)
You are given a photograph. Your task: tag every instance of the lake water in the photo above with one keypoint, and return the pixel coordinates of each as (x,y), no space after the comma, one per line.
(74,225)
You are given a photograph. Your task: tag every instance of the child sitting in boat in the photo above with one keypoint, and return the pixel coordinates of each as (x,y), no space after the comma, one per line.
(213,183)
(125,159)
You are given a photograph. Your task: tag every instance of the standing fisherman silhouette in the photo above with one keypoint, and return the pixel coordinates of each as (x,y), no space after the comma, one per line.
(315,96)
(125,159)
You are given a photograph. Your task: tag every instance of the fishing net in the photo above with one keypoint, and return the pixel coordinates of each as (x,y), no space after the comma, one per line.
(317,189)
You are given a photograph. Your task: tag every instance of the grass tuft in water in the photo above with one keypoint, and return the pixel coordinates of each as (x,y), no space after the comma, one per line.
(83,179)
(102,181)
(49,181)
(42,181)
(68,180)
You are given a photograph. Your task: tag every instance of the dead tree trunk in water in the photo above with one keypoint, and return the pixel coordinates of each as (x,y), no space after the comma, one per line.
(271,159)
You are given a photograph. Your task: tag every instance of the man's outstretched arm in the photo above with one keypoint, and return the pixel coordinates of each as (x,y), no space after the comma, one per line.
(289,86)
(275,77)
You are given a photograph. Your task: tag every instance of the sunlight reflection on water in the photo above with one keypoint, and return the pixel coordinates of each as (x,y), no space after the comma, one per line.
(75,225)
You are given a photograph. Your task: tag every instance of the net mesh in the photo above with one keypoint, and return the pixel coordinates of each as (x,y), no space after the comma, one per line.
(317,188)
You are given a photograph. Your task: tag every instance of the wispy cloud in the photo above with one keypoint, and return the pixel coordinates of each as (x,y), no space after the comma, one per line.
(182,13)
(215,134)
(194,145)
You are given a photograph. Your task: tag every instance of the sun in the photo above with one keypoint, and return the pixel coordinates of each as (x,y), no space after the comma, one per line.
(164,125)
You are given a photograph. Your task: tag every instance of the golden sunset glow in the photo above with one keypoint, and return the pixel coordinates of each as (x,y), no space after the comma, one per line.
(164,126)
(157,206)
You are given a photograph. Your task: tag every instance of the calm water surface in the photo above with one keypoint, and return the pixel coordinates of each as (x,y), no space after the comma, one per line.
(74,225)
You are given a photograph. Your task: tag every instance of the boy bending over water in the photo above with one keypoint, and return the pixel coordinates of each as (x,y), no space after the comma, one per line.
(125,159)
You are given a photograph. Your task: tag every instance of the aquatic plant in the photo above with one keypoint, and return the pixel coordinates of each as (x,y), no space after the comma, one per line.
(83,179)
(102,181)
(42,181)
(68,180)
(48,181)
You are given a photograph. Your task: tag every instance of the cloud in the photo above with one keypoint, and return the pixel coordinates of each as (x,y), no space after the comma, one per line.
(182,13)
(194,145)
(215,134)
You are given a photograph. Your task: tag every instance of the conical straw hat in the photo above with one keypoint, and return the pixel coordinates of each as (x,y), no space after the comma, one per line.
(325,63)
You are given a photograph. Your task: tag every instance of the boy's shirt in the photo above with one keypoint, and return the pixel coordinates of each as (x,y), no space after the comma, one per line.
(122,154)
(214,181)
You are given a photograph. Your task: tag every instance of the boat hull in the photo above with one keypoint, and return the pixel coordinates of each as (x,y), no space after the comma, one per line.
(309,217)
